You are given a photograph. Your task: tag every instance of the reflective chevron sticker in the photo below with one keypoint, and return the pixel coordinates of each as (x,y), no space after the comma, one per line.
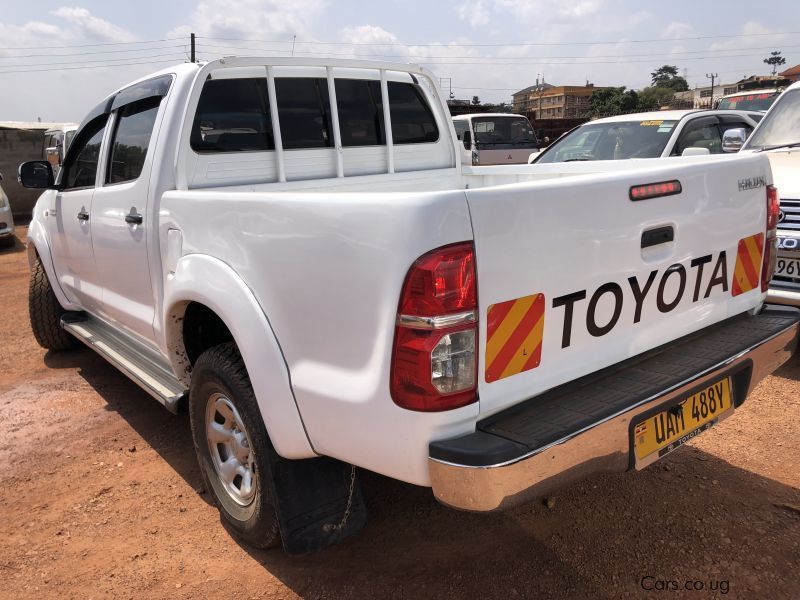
(514,336)
(748,264)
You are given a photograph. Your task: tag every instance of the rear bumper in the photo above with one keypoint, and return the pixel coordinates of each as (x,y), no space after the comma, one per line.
(585,427)
(786,295)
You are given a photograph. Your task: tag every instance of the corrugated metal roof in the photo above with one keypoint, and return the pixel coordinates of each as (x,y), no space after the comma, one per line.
(31,125)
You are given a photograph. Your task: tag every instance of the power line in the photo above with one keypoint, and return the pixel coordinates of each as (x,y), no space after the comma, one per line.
(665,56)
(91,45)
(109,61)
(95,52)
(99,66)
(573,43)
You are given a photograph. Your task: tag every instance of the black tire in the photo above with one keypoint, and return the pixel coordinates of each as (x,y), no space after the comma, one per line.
(220,371)
(45,312)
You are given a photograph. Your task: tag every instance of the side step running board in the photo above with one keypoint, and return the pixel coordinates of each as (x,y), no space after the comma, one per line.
(157,382)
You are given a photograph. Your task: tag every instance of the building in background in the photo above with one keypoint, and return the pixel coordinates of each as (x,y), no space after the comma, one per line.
(545,101)
(792,74)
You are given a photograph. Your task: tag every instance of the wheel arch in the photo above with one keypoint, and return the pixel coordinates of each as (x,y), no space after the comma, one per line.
(39,246)
(207,285)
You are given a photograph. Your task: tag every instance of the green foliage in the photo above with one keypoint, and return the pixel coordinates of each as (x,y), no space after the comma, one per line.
(613,101)
(775,60)
(476,101)
(667,76)
(653,98)
(664,74)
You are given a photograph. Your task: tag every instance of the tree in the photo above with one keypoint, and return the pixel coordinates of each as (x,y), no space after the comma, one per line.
(775,60)
(653,98)
(664,74)
(476,101)
(667,77)
(613,101)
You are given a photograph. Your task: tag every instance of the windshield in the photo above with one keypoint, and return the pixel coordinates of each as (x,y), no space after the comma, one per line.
(781,125)
(495,133)
(757,101)
(611,141)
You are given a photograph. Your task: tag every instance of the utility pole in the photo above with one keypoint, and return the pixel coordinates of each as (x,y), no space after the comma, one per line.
(712,77)
(294,39)
(191,41)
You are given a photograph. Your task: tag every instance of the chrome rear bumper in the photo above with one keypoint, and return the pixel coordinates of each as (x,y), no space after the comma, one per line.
(515,473)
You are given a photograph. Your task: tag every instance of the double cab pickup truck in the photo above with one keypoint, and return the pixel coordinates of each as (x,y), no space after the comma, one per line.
(293,249)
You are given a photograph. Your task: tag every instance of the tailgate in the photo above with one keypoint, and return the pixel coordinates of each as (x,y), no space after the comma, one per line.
(574,276)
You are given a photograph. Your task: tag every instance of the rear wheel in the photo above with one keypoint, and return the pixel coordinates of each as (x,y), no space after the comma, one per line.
(232,445)
(45,312)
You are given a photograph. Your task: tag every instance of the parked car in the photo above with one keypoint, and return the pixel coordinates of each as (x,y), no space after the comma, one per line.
(494,138)
(293,248)
(55,144)
(759,100)
(778,138)
(648,135)
(6,220)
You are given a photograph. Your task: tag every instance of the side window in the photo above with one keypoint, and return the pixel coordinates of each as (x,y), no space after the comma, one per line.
(412,118)
(700,133)
(461,127)
(233,116)
(80,168)
(303,110)
(131,139)
(360,112)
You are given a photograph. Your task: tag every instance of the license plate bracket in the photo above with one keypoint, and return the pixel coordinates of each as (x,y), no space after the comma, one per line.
(669,428)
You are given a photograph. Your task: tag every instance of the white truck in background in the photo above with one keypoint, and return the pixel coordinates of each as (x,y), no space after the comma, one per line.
(778,138)
(494,139)
(293,248)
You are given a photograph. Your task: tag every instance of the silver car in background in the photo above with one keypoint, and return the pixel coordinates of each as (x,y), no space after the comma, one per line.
(7,238)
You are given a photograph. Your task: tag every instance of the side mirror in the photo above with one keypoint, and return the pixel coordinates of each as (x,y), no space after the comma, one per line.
(36,174)
(467,140)
(532,156)
(733,139)
(695,151)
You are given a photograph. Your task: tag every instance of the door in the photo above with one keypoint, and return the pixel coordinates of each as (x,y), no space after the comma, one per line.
(121,223)
(69,219)
(701,132)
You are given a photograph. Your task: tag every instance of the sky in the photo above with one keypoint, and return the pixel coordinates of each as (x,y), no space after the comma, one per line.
(58,60)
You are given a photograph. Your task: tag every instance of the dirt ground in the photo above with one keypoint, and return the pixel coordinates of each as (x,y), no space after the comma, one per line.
(100,496)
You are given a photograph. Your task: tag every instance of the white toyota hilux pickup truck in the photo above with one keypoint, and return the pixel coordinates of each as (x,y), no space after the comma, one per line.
(293,248)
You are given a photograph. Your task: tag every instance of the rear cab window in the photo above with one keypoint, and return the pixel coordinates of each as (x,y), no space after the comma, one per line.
(233,115)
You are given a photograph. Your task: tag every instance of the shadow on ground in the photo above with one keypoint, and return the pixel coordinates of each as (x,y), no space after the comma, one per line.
(690,517)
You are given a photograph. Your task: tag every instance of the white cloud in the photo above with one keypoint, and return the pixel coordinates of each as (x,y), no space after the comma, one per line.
(93,28)
(678,29)
(474,12)
(760,35)
(253,19)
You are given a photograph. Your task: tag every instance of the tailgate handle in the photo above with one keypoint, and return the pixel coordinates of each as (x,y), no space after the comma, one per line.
(660,235)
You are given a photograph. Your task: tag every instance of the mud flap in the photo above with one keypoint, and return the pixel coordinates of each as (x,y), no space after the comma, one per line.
(311,500)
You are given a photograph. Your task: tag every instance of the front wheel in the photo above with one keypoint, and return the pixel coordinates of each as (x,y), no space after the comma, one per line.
(232,445)
(45,312)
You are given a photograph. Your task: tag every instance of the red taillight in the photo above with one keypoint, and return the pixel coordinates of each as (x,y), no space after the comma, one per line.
(655,190)
(434,358)
(770,244)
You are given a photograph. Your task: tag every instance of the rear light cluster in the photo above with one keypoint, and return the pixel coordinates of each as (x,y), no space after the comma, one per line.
(434,358)
(771,242)
(655,190)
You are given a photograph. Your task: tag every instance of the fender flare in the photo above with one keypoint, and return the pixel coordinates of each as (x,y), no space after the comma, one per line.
(213,283)
(38,244)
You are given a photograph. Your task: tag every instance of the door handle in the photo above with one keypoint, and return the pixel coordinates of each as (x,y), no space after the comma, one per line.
(83,216)
(660,235)
(133,218)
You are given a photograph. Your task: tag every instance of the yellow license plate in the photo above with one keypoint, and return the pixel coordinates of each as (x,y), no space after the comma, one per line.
(662,433)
